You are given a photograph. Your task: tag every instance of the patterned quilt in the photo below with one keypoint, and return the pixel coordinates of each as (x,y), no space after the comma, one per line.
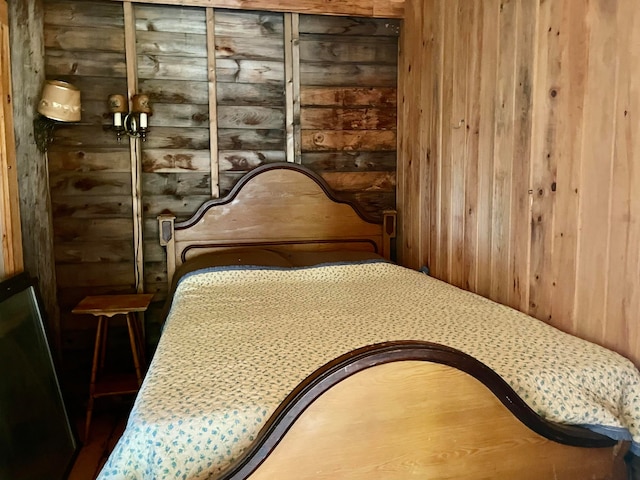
(238,340)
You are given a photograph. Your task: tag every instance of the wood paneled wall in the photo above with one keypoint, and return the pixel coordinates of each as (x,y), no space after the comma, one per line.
(230,90)
(27,71)
(359,8)
(90,172)
(10,233)
(519,163)
(348,90)
(171,51)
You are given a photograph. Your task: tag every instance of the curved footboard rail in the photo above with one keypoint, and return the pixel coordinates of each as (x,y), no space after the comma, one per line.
(345,366)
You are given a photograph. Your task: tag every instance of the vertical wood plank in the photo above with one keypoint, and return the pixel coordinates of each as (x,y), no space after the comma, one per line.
(524,85)
(27,70)
(408,125)
(430,91)
(599,117)
(572,83)
(487,140)
(213,102)
(448,125)
(544,155)
(501,272)
(431,176)
(459,127)
(134,145)
(623,295)
(554,184)
(470,244)
(11,258)
(295,59)
(402,252)
(288,87)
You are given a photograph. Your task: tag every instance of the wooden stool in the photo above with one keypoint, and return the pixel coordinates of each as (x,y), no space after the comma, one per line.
(105,307)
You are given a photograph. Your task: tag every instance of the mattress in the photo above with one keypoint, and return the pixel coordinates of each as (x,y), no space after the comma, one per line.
(238,339)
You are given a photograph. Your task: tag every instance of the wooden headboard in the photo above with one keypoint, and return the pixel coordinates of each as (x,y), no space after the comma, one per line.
(280,205)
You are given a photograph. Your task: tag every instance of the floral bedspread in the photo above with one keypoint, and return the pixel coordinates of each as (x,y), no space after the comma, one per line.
(238,340)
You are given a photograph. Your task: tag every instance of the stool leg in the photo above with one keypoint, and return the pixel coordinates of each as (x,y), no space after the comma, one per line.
(134,349)
(139,331)
(94,372)
(103,346)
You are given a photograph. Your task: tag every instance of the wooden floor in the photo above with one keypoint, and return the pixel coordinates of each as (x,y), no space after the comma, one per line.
(107,426)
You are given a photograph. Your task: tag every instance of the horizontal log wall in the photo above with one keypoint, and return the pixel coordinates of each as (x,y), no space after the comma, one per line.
(216,80)
(90,172)
(348,78)
(518,165)
(250,74)
(171,49)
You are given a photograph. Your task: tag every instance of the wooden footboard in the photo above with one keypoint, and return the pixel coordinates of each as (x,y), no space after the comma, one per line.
(418,410)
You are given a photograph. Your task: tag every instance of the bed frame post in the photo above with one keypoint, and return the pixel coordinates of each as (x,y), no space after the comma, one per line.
(388,232)
(166,232)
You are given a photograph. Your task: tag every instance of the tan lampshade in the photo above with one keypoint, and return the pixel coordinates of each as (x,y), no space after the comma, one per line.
(60,101)
(140,104)
(118,104)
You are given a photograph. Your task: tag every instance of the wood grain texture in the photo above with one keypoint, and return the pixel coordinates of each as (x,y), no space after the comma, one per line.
(304,212)
(212,101)
(362,8)
(70,13)
(348,119)
(366,427)
(360,140)
(11,261)
(356,26)
(348,89)
(409,122)
(522,136)
(623,298)
(348,96)
(252,111)
(544,150)
(550,198)
(90,173)
(472,148)
(598,159)
(412,409)
(573,56)
(27,71)
(131,52)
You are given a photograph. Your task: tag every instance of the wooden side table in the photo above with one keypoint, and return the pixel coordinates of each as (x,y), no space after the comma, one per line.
(105,307)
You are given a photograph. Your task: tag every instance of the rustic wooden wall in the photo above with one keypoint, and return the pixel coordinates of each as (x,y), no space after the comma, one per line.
(171,49)
(518,159)
(359,8)
(250,78)
(27,71)
(90,172)
(10,233)
(348,79)
(221,85)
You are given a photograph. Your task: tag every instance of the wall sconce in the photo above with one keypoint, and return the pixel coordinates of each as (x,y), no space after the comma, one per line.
(134,124)
(59,103)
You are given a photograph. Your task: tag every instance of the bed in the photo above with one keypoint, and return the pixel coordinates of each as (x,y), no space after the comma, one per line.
(293,348)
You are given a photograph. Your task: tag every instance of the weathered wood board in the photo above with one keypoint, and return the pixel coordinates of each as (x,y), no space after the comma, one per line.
(348,117)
